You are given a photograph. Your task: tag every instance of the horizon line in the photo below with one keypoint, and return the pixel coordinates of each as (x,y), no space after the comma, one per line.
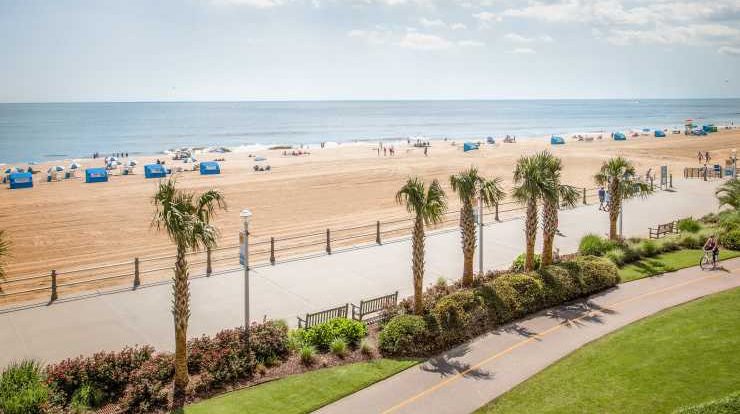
(278,100)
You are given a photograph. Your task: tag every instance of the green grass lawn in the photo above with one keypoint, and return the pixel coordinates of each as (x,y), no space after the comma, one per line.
(668,262)
(684,355)
(302,393)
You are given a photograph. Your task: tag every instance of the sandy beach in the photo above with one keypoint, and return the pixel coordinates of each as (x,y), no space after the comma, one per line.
(70,224)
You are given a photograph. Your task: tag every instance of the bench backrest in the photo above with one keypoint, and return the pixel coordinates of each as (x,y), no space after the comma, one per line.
(665,228)
(378,304)
(323,316)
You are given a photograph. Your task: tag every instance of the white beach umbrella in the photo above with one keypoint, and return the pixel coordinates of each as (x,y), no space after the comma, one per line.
(56,168)
(132,163)
(74,166)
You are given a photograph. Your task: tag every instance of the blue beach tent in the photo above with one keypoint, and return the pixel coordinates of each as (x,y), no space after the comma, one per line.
(209,167)
(20,180)
(618,136)
(555,140)
(154,171)
(469,146)
(659,134)
(96,175)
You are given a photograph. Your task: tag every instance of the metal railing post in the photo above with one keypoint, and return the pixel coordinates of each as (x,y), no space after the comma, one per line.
(137,280)
(584,195)
(209,269)
(652,185)
(53,285)
(496,215)
(328,242)
(670,178)
(377,232)
(272,250)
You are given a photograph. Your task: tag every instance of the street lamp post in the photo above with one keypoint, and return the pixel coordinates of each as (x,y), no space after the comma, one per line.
(246,215)
(480,235)
(734,163)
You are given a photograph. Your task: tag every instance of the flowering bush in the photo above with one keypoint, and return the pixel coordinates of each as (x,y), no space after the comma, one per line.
(107,372)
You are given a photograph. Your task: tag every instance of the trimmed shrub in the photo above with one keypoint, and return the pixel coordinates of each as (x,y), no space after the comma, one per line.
(594,245)
(147,391)
(105,371)
(726,405)
(731,240)
(616,255)
(459,315)
(22,388)
(561,283)
(227,360)
(668,245)
(403,335)
(518,264)
(514,295)
(269,341)
(322,335)
(597,273)
(307,354)
(690,241)
(338,347)
(647,248)
(689,225)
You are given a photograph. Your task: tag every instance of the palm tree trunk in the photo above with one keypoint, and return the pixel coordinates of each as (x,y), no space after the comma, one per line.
(616,205)
(531,233)
(467,228)
(549,228)
(417,266)
(181,313)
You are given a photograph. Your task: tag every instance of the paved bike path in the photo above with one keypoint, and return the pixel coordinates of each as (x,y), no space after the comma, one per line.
(470,375)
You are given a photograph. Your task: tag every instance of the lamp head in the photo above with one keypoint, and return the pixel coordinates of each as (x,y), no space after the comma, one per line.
(245,215)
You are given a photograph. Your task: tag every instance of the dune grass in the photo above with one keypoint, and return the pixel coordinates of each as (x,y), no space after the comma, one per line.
(667,262)
(682,356)
(302,393)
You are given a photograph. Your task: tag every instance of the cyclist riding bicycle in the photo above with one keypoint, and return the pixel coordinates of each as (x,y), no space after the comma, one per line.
(713,246)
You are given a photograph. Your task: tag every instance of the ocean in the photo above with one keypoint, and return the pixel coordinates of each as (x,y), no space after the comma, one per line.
(49,131)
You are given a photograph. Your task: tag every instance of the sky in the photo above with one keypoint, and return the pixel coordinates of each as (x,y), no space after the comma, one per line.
(214,50)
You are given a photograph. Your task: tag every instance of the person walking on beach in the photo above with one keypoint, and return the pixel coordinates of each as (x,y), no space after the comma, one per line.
(701,157)
(426,150)
(385,151)
(707,157)
(602,198)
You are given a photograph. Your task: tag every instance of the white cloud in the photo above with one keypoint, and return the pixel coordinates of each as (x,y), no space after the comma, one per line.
(422,41)
(522,51)
(692,34)
(432,23)
(487,17)
(260,4)
(378,36)
(729,50)
(470,43)
(513,37)
(458,26)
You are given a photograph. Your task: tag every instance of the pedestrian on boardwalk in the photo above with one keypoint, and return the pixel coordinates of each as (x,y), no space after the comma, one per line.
(602,198)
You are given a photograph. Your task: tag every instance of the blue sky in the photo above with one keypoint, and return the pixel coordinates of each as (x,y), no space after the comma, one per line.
(135,50)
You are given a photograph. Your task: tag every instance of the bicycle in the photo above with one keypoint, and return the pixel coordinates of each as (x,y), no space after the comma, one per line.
(707,260)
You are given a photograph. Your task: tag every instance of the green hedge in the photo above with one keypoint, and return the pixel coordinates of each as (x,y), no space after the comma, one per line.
(727,405)
(468,312)
(322,335)
(731,239)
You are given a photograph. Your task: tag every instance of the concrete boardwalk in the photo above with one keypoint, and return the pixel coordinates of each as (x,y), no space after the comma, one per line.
(467,377)
(111,321)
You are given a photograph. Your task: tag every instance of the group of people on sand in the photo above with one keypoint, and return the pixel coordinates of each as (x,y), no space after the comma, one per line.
(296,153)
(115,154)
(703,157)
(386,150)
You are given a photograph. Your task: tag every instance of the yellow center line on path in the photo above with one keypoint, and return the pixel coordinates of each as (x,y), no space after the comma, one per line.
(540,335)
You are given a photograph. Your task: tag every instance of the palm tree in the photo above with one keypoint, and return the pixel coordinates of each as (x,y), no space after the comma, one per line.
(728,194)
(618,175)
(469,186)
(565,195)
(4,253)
(184,216)
(532,182)
(207,203)
(428,207)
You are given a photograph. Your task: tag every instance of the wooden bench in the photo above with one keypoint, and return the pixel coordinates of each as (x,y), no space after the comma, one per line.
(373,307)
(316,318)
(663,229)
